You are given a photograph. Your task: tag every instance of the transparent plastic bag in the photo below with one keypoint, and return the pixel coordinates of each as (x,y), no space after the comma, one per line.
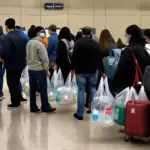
(133,96)
(68,93)
(102,104)
(120,106)
(142,95)
(24,80)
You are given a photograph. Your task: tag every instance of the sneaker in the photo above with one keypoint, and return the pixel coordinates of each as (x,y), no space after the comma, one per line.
(77,116)
(13,106)
(89,111)
(23,100)
(49,111)
(35,111)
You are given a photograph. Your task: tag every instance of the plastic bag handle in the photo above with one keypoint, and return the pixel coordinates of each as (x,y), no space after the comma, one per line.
(138,70)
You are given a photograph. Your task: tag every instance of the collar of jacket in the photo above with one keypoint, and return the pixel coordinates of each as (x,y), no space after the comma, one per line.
(39,39)
(54,33)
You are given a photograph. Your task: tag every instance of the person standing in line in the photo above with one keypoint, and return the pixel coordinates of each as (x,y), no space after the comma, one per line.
(86,59)
(125,73)
(2,70)
(13,52)
(38,66)
(52,46)
(63,60)
(18,28)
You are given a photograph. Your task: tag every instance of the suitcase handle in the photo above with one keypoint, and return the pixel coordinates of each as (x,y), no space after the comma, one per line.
(138,70)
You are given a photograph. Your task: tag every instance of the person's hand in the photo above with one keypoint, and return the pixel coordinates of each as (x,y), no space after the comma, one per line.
(48,74)
(55,67)
(1,60)
(72,73)
(104,75)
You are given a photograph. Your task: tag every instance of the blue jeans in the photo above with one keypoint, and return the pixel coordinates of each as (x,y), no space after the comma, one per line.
(38,78)
(82,81)
(2,72)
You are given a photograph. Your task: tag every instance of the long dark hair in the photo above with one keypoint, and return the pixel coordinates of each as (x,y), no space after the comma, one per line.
(136,35)
(65,34)
(34,30)
(106,39)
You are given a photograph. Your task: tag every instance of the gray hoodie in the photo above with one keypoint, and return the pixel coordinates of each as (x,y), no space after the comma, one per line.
(37,57)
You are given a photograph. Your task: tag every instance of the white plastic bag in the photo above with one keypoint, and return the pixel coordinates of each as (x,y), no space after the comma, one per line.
(122,97)
(68,93)
(102,105)
(142,95)
(24,80)
(133,96)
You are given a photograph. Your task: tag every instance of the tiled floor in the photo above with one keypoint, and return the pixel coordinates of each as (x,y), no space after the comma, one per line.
(20,130)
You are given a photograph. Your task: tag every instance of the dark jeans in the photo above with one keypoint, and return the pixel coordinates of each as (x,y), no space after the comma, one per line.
(13,81)
(2,72)
(82,81)
(38,77)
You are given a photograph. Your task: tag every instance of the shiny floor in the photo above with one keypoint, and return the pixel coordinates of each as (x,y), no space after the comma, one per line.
(20,130)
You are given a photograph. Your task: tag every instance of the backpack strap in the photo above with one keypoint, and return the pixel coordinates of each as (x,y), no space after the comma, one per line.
(68,49)
(138,70)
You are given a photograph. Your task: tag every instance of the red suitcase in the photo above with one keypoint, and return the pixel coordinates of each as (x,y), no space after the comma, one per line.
(137,119)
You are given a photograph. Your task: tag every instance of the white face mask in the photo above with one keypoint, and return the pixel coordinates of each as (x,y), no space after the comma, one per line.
(42,35)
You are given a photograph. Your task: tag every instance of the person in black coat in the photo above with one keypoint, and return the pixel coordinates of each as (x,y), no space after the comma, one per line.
(13,52)
(125,73)
(62,60)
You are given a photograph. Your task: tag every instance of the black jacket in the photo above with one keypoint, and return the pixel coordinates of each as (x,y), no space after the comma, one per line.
(86,58)
(13,51)
(125,73)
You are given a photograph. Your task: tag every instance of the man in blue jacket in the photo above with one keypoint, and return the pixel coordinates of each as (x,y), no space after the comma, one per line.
(52,46)
(18,28)
(13,52)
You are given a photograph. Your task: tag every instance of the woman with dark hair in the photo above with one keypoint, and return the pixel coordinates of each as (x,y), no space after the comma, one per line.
(78,35)
(107,42)
(125,74)
(38,66)
(64,46)
(120,44)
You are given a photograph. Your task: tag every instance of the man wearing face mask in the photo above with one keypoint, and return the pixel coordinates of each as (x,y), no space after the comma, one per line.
(43,36)
(13,52)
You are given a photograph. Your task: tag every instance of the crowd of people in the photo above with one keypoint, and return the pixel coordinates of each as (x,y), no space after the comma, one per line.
(81,54)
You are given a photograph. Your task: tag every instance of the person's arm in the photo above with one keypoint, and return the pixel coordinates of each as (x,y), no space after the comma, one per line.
(50,45)
(42,52)
(6,47)
(74,56)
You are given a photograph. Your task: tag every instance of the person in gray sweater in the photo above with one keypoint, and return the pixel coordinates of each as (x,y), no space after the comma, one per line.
(38,66)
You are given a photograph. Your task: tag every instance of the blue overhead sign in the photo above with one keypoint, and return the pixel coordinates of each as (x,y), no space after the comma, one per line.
(54,6)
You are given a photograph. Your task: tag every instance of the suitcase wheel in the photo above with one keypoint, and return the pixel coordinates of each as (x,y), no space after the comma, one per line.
(126,138)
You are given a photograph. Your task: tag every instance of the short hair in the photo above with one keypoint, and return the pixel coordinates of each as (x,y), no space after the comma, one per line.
(10,23)
(17,27)
(86,31)
(53,28)
(147,32)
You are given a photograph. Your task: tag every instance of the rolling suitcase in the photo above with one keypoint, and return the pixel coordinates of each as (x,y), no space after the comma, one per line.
(137,119)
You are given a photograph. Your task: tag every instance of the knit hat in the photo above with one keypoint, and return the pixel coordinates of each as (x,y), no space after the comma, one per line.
(1,28)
